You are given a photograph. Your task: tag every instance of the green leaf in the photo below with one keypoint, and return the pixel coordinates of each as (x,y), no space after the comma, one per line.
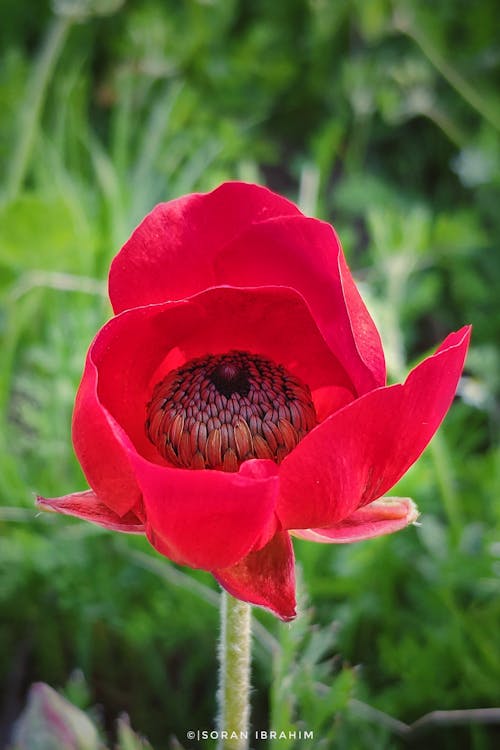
(39,233)
(129,740)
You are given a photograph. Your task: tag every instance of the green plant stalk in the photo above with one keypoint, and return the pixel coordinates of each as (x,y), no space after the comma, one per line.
(35,94)
(396,287)
(444,474)
(234,674)
(466,90)
(283,696)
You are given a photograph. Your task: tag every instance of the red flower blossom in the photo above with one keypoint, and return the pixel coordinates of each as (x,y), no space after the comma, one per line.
(239,395)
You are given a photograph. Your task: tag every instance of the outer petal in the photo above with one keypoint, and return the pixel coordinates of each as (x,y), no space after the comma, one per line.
(99,444)
(86,505)
(361,451)
(170,254)
(265,578)
(380,517)
(207,519)
(306,255)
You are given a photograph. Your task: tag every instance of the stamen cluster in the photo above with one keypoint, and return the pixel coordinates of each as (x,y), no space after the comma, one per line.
(217,411)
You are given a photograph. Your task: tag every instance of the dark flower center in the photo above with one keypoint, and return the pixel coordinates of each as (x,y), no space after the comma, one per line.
(217,411)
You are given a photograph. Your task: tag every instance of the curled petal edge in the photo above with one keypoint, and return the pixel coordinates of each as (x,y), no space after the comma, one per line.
(340,467)
(383,516)
(87,506)
(265,578)
(170,255)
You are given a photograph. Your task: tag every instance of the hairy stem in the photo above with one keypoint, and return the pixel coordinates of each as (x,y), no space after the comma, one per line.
(234,676)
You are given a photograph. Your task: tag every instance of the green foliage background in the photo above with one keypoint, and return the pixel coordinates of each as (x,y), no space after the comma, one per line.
(382,116)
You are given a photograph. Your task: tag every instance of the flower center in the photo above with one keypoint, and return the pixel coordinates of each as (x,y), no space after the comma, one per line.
(217,411)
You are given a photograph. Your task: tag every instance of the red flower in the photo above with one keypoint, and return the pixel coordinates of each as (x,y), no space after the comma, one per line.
(239,394)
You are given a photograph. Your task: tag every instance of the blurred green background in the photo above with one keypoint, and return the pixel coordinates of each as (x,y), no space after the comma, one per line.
(382,116)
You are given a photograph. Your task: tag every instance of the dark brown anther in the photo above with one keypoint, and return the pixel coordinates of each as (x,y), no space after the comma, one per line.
(230,462)
(243,440)
(197,462)
(217,411)
(261,448)
(288,433)
(213,452)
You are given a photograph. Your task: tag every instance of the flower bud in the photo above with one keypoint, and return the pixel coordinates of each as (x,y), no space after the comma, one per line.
(50,721)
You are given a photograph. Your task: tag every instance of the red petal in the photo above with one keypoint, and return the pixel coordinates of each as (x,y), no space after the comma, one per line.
(207,519)
(101,447)
(170,254)
(380,517)
(361,451)
(328,399)
(86,505)
(265,578)
(272,321)
(306,255)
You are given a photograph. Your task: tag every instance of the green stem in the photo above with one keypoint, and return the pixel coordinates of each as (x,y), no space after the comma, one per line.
(468,91)
(444,475)
(234,676)
(33,102)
